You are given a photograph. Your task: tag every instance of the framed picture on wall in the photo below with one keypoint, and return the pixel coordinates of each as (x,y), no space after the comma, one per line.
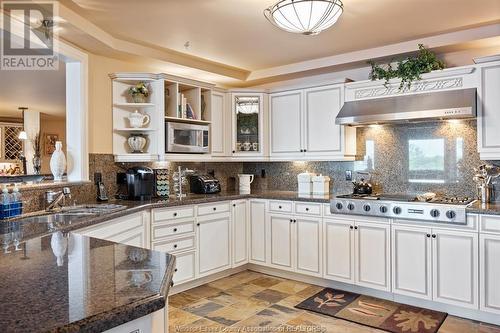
(50,143)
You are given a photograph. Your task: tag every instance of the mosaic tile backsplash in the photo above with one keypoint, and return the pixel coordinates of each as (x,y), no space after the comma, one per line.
(404,158)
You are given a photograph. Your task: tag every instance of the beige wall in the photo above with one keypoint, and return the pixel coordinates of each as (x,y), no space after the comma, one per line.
(51,125)
(100,100)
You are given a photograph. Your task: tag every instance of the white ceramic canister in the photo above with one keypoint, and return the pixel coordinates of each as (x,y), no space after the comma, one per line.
(304,181)
(321,184)
(245,181)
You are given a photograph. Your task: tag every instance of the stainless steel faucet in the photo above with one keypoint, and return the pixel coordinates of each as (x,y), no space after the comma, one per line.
(55,199)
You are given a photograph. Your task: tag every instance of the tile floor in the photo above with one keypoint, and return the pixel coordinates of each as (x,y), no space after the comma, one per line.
(254,302)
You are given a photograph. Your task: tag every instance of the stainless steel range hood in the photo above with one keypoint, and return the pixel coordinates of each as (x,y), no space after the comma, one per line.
(453,104)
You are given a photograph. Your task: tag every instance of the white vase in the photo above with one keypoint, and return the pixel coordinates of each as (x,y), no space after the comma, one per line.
(58,162)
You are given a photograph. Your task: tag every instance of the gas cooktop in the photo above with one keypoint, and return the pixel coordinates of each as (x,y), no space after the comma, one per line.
(401,206)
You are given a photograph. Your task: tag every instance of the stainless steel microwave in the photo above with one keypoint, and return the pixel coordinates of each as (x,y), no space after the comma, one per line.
(186,138)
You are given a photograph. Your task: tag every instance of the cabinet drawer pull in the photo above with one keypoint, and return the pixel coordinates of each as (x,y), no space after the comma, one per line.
(175,246)
(197,224)
(175,229)
(434,236)
(234,205)
(356,227)
(307,209)
(175,270)
(215,208)
(351,227)
(428,235)
(279,207)
(175,214)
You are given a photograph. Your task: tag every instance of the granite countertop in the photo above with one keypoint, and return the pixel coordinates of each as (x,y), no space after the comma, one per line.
(54,280)
(65,282)
(90,286)
(478,207)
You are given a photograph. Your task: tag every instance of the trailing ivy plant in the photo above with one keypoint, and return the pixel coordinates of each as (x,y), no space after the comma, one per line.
(409,69)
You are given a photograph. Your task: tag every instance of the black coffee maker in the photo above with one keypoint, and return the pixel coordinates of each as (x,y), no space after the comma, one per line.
(140,183)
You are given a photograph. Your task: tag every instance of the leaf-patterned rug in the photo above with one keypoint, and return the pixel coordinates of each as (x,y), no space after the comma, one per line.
(374,312)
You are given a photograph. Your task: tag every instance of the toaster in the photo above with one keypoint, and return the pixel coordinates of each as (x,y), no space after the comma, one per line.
(204,184)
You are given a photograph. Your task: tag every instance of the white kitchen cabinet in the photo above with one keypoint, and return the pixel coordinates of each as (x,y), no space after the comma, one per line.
(322,137)
(489,254)
(239,228)
(412,261)
(339,250)
(286,123)
(302,125)
(281,241)
(248,126)
(308,245)
(357,252)
(372,255)
(213,235)
(217,126)
(133,229)
(184,267)
(455,267)
(489,112)
(258,232)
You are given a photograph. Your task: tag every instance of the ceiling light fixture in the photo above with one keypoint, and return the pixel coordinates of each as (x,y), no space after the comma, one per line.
(307,17)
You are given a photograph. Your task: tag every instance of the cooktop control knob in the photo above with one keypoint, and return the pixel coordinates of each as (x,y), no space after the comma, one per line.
(451,214)
(397,210)
(383,209)
(435,213)
(350,206)
(339,205)
(367,207)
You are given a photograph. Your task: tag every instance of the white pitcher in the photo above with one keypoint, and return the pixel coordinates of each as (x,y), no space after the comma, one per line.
(138,119)
(245,181)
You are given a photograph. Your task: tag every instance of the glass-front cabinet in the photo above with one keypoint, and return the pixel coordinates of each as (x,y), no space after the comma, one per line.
(248,120)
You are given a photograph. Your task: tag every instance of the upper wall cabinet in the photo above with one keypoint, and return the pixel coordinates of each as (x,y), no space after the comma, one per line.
(217,119)
(247,124)
(488,107)
(302,125)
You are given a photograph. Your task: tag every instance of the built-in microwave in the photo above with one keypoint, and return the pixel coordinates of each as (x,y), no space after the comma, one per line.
(186,138)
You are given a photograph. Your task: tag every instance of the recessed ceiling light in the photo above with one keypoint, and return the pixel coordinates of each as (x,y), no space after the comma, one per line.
(307,17)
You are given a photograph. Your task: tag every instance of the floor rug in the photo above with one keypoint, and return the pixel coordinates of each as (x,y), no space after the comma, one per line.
(374,312)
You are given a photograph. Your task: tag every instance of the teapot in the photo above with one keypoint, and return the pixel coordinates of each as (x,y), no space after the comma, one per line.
(138,119)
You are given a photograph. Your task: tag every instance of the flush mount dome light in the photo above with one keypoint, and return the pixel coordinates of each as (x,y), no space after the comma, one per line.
(307,17)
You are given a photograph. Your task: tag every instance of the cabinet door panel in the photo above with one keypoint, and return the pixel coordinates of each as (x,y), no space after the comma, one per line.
(258,235)
(217,125)
(213,244)
(281,241)
(184,267)
(308,242)
(490,273)
(455,268)
(321,108)
(239,220)
(411,261)
(339,250)
(372,242)
(286,128)
(489,117)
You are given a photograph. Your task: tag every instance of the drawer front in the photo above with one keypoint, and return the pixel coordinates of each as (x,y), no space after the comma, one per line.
(326,210)
(490,223)
(308,208)
(174,245)
(166,214)
(184,267)
(214,208)
(170,229)
(280,206)
(114,227)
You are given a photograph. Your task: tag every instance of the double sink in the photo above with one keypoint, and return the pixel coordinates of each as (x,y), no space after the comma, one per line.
(68,214)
